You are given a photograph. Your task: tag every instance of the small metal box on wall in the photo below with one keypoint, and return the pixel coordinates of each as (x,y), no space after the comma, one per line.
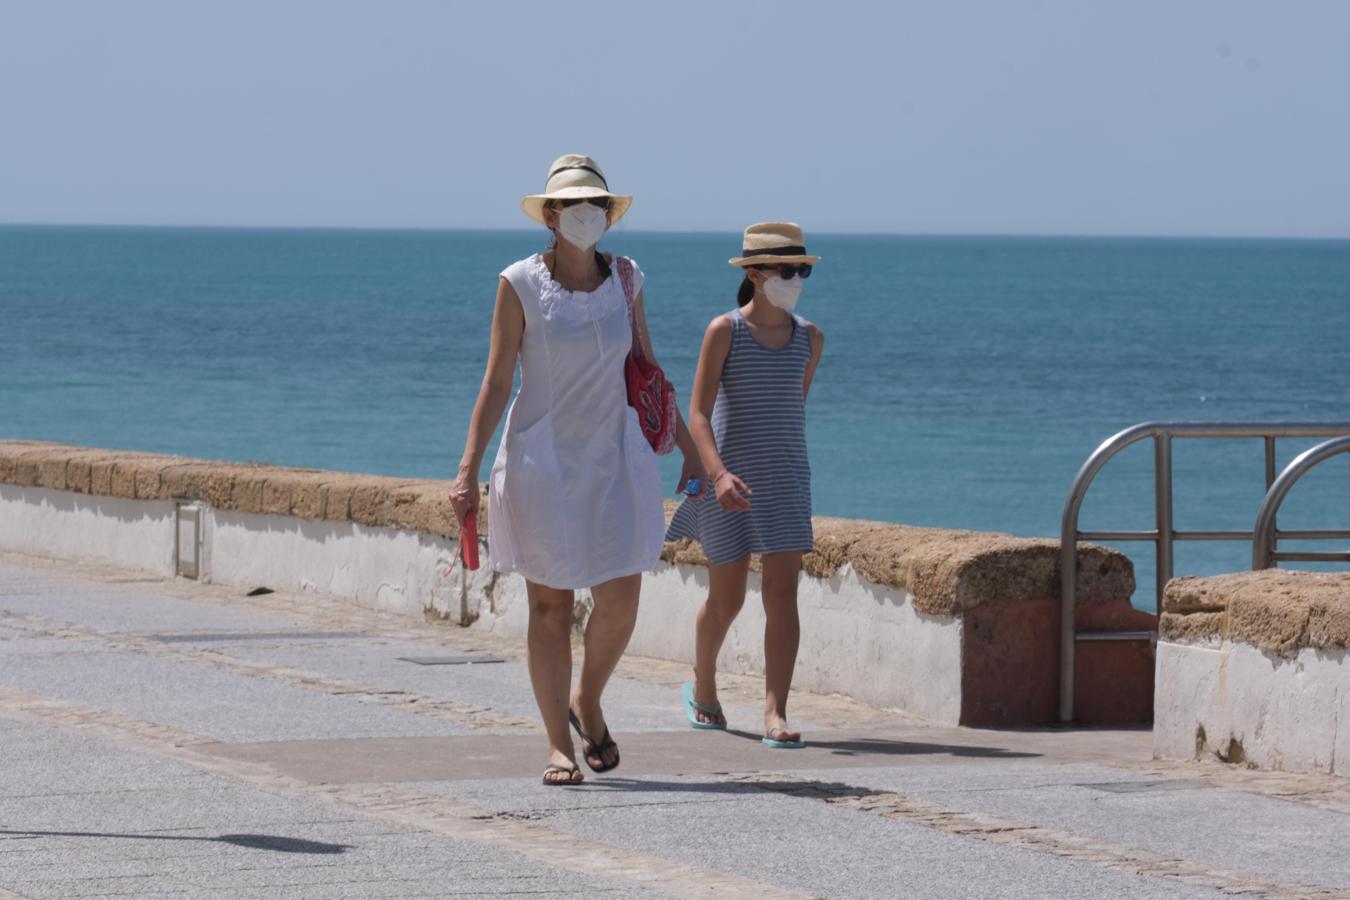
(188,553)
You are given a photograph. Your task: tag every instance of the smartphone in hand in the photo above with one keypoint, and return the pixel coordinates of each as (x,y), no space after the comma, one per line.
(468,542)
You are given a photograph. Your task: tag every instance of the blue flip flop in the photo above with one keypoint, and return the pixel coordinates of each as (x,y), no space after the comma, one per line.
(690,704)
(782,745)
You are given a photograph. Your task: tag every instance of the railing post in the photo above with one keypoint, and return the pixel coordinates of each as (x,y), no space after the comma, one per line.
(1068,583)
(1162,506)
(1270,460)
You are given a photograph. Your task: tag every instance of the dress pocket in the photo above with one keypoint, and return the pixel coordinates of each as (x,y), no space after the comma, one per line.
(531,457)
(641,457)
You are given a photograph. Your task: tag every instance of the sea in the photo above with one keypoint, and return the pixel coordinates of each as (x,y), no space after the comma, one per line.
(965,379)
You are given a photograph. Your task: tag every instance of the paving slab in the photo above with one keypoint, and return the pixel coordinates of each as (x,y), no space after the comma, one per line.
(220,704)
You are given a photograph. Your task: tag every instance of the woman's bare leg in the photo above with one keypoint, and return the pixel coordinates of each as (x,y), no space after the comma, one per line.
(549,651)
(613,616)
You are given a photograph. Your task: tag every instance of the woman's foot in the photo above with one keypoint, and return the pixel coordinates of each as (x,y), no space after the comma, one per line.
(601,753)
(562,769)
(706,708)
(778,733)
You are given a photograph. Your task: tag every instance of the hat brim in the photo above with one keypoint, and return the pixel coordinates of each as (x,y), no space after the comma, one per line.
(533,205)
(767,260)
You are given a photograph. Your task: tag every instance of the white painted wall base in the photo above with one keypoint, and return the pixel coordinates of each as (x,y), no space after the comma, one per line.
(1254,707)
(381,568)
(858,639)
(136,534)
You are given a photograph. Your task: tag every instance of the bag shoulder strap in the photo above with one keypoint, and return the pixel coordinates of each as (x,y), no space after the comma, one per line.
(625,267)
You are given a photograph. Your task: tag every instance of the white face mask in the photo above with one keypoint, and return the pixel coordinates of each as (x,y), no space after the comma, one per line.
(582,225)
(783,292)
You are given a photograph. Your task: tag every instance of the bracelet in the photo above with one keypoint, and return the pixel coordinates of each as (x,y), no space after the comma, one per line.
(719,477)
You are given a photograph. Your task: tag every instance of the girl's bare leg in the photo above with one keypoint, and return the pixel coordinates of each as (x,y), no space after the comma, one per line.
(782,635)
(726,596)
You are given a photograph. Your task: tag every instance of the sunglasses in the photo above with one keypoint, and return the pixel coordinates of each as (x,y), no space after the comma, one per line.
(787,270)
(598,202)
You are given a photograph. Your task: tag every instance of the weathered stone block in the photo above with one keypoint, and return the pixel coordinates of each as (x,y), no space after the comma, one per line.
(423,506)
(78,470)
(1277,610)
(246,493)
(307,496)
(52,470)
(369,502)
(276,495)
(147,478)
(337,498)
(100,476)
(124,478)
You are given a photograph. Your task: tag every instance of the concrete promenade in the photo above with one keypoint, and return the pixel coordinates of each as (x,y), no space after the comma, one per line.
(163,738)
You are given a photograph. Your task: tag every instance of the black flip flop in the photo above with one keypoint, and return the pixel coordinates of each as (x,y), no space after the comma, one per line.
(569,771)
(597,750)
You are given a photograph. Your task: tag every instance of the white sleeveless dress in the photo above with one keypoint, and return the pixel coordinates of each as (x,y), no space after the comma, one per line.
(575,497)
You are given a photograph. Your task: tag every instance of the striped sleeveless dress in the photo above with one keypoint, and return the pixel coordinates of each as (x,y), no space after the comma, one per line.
(759,422)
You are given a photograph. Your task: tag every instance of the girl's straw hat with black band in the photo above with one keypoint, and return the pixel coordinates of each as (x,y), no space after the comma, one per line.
(770,243)
(575,177)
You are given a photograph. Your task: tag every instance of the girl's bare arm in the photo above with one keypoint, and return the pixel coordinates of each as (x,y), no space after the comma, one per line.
(817,345)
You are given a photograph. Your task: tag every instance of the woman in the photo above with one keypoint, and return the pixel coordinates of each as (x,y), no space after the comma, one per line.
(575,497)
(748,417)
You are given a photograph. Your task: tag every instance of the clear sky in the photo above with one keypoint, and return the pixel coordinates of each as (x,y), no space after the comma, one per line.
(1222,117)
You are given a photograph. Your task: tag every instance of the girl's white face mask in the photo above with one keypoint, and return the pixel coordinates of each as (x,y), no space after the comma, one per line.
(783,292)
(582,225)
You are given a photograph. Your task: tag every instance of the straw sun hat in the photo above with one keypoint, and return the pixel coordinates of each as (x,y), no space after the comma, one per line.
(570,177)
(768,243)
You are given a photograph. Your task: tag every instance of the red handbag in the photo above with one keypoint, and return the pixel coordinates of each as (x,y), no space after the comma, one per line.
(648,390)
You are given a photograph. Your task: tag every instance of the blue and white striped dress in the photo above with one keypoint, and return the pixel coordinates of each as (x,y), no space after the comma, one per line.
(759,422)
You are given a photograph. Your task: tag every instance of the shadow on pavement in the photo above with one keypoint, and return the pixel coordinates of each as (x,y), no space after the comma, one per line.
(251,841)
(884,747)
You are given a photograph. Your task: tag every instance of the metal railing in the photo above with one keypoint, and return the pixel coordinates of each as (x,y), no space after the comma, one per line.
(1265,553)
(1163,535)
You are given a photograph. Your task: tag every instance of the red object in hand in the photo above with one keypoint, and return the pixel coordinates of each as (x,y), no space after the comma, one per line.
(468,542)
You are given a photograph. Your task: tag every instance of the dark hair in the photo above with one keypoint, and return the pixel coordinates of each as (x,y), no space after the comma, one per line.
(599,257)
(746,293)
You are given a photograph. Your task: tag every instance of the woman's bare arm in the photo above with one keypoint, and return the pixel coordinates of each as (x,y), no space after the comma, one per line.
(508,329)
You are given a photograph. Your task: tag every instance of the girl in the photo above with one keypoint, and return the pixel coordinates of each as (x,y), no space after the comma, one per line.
(747,416)
(575,496)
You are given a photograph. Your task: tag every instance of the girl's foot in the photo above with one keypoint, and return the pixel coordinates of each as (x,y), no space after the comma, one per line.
(705,699)
(562,770)
(782,736)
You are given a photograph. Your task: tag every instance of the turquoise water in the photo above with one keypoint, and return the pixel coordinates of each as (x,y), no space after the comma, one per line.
(964,380)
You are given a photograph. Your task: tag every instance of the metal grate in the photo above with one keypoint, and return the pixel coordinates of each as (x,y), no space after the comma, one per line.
(1140,787)
(251,636)
(463,660)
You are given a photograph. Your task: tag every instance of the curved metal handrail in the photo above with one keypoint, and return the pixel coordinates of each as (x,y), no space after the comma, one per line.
(1263,533)
(1163,534)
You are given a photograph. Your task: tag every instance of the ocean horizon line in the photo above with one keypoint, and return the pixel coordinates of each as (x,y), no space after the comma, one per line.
(692,232)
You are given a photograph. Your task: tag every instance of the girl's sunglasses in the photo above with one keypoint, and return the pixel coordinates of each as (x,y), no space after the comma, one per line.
(787,270)
(598,202)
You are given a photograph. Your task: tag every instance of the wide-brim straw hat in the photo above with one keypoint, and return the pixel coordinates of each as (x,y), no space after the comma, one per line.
(768,243)
(574,177)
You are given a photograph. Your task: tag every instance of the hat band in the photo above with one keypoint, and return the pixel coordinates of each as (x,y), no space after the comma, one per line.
(594,172)
(776,251)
